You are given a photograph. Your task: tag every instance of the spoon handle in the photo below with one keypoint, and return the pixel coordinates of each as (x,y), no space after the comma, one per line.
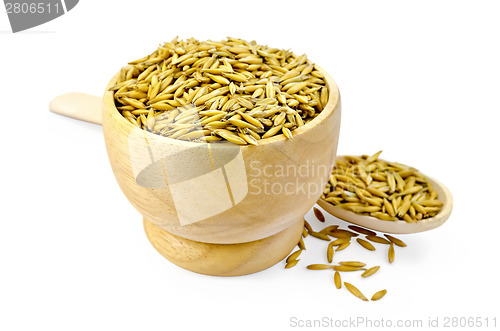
(80,106)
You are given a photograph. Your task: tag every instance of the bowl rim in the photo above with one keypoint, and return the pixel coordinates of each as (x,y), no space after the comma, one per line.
(331,106)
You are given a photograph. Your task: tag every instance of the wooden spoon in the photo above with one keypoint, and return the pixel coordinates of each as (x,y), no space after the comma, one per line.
(80,106)
(376,224)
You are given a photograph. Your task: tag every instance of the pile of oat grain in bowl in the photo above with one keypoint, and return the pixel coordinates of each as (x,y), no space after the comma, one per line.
(231,90)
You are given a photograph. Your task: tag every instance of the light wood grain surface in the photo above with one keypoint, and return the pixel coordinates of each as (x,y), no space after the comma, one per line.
(224,259)
(80,106)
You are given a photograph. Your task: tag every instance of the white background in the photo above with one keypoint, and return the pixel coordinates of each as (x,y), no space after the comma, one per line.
(420,80)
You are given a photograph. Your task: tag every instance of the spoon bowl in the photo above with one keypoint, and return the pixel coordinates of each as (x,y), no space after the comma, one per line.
(398,227)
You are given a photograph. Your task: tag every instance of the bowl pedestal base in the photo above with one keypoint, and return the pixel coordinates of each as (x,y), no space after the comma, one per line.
(224,259)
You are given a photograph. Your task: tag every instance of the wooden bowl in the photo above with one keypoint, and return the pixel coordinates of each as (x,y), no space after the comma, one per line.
(222,193)
(272,202)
